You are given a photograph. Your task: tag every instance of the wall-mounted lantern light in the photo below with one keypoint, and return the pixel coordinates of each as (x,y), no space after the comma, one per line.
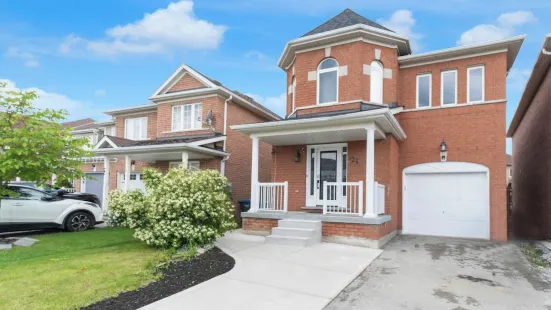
(133,164)
(443,151)
(297,157)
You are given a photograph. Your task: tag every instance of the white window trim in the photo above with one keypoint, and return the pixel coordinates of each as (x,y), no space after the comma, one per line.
(177,163)
(193,118)
(134,118)
(469,84)
(417,90)
(382,81)
(319,72)
(294,88)
(442,88)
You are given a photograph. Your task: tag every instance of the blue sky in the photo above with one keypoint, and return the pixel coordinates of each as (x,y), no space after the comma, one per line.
(92,56)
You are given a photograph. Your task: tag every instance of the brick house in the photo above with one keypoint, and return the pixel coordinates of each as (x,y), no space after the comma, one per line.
(186,123)
(377,139)
(531,133)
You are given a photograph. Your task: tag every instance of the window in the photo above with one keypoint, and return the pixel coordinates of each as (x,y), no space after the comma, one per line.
(328,81)
(187,117)
(376,87)
(424,95)
(448,89)
(312,169)
(344,161)
(109,131)
(135,128)
(23,193)
(192,165)
(293,88)
(475,84)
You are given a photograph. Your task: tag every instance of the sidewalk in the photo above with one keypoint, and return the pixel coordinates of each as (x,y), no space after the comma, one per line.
(269,276)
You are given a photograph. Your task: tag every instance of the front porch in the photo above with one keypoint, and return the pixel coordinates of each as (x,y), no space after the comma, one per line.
(341,170)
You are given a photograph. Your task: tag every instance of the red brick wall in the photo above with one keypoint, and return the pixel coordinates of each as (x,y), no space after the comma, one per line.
(239,146)
(253,224)
(473,134)
(531,168)
(286,169)
(185,83)
(151,123)
(373,232)
(495,70)
(353,86)
(214,103)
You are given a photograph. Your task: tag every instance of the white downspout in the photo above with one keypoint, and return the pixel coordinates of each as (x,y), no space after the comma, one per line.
(223,162)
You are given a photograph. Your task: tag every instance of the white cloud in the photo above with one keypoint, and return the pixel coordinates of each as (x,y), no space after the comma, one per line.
(100,92)
(165,30)
(256,55)
(402,22)
(29,59)
(517,78)
(276,104)
(77,109)
(506,25)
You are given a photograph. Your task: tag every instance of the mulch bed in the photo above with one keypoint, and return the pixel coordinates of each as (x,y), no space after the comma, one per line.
(176,278)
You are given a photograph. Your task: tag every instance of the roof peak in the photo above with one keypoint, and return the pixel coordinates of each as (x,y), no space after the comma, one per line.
(344,19)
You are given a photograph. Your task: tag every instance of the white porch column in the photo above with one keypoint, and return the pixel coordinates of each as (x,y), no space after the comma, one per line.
(105,184)
(127,167)
(185,157)
(370,173)
(254,176)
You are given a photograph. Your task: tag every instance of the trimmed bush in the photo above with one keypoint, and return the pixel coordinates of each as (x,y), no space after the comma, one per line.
(180,207)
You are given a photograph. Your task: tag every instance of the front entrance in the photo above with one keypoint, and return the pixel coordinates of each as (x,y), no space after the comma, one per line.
(325,163)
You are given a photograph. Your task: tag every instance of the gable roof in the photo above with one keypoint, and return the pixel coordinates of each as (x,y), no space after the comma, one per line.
(211,86)
(344,19)
(78,123)
(540,70)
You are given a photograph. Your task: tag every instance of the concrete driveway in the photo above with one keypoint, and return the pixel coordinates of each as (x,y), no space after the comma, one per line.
(440,273)
(268,276)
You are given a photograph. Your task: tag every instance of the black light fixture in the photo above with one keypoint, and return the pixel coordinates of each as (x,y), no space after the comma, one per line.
(297,157)
(443,151)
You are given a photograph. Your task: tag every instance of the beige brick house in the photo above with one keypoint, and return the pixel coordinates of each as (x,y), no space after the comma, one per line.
(187,122)
(378,140)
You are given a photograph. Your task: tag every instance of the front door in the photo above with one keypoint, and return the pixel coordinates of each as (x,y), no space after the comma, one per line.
(325,163)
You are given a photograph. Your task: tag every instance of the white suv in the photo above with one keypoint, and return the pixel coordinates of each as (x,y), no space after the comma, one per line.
(30,209)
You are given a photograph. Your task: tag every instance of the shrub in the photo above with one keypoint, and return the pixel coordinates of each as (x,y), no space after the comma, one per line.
(180,207)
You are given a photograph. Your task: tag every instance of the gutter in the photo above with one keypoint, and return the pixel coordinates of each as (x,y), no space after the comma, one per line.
(223,162)
(145,148)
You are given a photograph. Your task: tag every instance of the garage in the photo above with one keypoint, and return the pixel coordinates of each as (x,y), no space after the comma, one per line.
(447,199)
(135,182)
(93,184)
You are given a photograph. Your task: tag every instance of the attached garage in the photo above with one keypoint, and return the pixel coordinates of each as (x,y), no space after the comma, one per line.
(93,184)
(447,199)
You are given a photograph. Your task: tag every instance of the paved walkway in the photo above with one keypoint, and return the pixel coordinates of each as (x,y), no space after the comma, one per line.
(417,272)
(269,276)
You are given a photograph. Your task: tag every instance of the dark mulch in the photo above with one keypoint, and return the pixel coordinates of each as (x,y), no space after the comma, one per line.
(176,278)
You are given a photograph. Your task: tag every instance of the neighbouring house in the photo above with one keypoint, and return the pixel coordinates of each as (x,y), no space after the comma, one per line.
(531,133)
(509,170)
(378,140)
(186,123)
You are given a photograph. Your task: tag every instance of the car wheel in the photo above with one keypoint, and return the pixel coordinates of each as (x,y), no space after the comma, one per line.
(79,221)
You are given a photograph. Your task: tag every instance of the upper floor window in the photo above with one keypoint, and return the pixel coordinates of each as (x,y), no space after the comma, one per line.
(187,116)
(328,81)
(475,84)
(376,87)
(109,131)
(135,128)
(424,90)
(448,89)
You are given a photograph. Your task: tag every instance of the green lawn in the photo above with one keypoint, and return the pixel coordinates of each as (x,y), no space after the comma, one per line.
(70,270)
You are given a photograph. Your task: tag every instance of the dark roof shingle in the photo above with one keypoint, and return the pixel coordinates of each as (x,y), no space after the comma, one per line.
(344,19)
(78,123)
(122,142)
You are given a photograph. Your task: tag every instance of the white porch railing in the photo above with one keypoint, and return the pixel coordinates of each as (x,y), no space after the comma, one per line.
(344,198)
(273,196)
(379,198)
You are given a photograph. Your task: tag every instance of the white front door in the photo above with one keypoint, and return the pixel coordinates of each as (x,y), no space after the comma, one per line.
(325,163)
(135,182)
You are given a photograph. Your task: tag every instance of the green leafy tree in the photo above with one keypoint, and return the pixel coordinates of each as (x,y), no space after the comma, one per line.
(33,144)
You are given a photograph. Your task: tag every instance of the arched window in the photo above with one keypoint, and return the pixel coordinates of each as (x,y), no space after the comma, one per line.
(376,87)
(328,81)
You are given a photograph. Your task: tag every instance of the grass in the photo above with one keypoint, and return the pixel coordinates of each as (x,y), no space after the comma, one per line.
(71,270)
(535,255)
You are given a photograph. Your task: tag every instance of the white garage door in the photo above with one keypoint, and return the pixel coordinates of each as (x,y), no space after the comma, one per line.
(135,182)
(447,199)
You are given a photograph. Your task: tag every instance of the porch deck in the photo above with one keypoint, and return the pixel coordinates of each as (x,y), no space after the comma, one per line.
(329,218)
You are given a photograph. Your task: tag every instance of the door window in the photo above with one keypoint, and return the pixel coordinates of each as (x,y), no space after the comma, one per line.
(328,168)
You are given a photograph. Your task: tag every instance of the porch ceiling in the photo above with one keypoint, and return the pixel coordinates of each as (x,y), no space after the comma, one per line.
(323,135)
(167,156)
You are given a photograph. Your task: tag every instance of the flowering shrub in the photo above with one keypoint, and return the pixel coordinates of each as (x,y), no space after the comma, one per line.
(180,207)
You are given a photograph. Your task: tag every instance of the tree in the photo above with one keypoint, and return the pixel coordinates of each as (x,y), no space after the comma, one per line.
(33,144)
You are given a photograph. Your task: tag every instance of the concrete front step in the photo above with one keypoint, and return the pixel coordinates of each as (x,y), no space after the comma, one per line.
(304,224)
(288,240)
(293,232)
